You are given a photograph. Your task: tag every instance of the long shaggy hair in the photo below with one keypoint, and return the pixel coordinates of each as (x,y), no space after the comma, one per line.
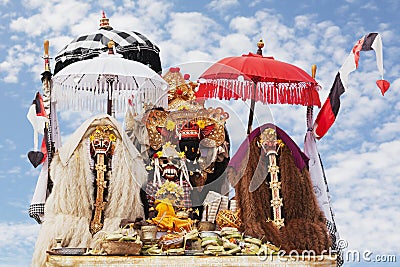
(68,210)
(305,227)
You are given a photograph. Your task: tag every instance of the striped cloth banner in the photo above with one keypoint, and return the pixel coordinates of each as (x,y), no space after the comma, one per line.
(328,113)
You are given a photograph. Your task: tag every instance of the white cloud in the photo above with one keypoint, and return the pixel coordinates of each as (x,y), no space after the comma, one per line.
(190,30)
(33,4)
(154,12)
(244,25)
(370,6)
(10,144)
(395,86)
(50,20)
(366,192)
(11,71)
(222,5)
(198,56)
(257,2)
(235,44)
(187,32)
(16,243)
(52,17)
(18,57)
(302,22)
(14,170)
(86,25)
(108,5)
(129,4)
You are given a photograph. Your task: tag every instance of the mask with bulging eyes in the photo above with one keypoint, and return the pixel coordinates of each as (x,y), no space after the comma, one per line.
(101,140)
(268,141)
(169,167)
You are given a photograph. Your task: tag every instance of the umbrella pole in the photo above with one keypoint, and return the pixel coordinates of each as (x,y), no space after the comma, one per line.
(109,105)
(251,115)
(260,46)
(252,106)
(109,99)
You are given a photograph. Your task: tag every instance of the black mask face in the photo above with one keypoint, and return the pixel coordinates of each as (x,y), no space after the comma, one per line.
(190,147)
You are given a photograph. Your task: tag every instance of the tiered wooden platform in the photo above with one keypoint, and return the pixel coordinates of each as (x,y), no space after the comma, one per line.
(192,261)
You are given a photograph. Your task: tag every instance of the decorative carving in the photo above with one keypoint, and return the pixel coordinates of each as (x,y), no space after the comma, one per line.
(96,223)
(102,146)
(269,143)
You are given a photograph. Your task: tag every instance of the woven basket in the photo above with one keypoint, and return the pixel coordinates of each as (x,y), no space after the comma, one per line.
(226,218)
(121,247)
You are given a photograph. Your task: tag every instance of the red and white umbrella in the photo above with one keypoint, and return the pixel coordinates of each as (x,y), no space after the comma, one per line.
(259,78)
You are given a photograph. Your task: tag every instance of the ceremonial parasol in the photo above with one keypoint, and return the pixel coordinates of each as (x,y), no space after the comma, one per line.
(131,45)
(258,78)
(87,84)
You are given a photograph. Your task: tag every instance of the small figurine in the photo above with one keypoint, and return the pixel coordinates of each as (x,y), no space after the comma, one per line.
(169,195)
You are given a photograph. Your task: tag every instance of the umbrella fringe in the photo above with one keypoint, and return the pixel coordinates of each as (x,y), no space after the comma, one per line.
(93,97)
(296,93)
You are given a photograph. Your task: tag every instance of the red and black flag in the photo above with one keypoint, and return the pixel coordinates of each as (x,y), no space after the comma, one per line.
(37,117)
(328,113)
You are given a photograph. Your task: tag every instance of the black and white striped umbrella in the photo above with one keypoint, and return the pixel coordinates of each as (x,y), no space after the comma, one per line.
(132,45)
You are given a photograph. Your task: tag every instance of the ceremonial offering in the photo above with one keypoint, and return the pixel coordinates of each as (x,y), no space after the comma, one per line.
(205,234)
(121,247)
(122,243)
(149,232)
(161,188)
(171,241)
(206,226)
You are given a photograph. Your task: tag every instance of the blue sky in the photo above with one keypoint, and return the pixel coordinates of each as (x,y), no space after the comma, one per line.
(360,152)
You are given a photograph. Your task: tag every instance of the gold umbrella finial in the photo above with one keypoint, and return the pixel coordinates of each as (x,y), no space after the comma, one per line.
(313,71)
(260,45)
(110,46)
(46,55)
(46,48)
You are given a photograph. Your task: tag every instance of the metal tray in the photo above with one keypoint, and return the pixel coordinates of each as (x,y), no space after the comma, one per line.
(67,251)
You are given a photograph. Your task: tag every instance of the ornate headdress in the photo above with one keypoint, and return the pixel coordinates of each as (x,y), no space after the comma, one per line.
(180,92)
(186,118)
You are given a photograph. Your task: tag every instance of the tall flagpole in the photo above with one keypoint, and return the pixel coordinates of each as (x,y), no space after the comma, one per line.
(318,179)
(46,78)
(46,86)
